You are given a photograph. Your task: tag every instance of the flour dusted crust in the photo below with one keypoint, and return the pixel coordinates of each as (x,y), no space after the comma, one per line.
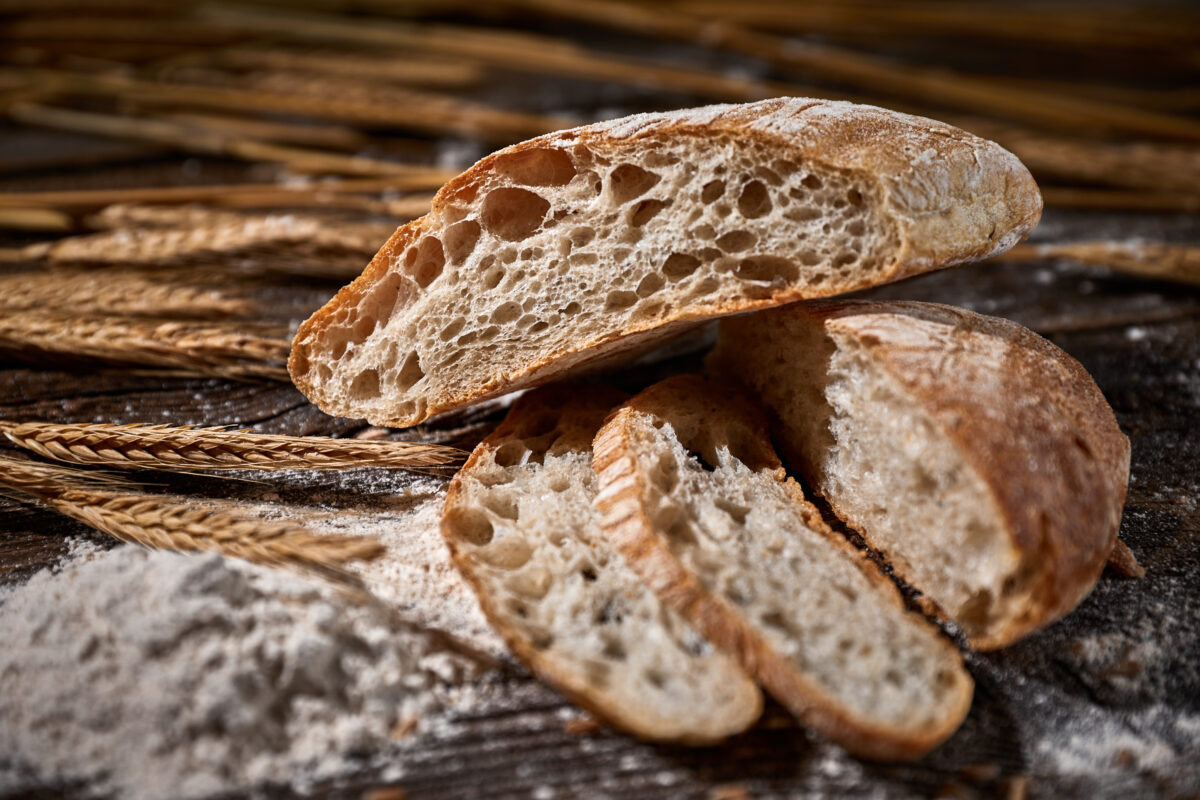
(1032,429)
(692,493)
(585,247)
(520,525)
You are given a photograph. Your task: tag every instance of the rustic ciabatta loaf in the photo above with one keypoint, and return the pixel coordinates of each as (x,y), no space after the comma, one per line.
(694,496)
(521,527)
(587,246)
(982,460)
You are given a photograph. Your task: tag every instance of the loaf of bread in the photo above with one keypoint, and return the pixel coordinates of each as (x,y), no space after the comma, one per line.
(694,496)
(587,246)
(521,528)
(982,460)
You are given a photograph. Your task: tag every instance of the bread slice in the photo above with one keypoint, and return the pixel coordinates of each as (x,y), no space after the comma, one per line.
(587,246)
(982,460)
(693,494)
(521,528)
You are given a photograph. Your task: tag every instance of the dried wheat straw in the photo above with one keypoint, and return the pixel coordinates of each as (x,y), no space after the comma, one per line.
(164,447)
(928,85)
(176,523)
(273,242)
(408,109)
(240,350)
(421,71)
(206,140)
(262,194)
(337,137)
(124,292)
(1171,262)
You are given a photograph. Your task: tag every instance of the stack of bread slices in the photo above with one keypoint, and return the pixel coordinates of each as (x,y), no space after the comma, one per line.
(655,557)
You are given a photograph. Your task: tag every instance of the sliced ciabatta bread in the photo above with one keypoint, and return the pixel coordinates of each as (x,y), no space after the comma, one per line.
(521,527)
(589,245)
(693,494)
(980,458)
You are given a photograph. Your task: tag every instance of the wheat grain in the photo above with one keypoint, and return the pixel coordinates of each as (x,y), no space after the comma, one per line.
(129,293)
(228,350)
(165,447)
(171,522)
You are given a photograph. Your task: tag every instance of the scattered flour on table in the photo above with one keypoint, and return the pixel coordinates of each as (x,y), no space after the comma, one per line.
(416,576)
(156,674)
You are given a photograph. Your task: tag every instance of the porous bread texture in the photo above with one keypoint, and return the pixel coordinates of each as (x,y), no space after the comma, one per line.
(694,495)
(521,527)
(982,460)
(587,246)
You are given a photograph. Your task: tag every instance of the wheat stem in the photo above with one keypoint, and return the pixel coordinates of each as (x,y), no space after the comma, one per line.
(115,292)
(165,447)
(175,523)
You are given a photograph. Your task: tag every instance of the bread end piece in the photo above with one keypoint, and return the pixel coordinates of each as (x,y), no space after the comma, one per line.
(982,460)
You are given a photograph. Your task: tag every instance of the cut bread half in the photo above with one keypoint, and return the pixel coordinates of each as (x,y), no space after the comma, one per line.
(521,528)
(982,460)
(693,494)
(586,247)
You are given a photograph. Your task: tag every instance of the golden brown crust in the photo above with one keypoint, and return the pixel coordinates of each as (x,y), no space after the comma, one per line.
(703,413)
(580,409)
(951,196)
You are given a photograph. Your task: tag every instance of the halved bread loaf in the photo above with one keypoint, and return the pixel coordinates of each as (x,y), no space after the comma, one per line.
(588,246)
(521,528)
(693,494)
(982,460)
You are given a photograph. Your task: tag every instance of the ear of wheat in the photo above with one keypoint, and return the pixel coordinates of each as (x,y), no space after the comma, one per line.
(1161,260)
(116,292)
(164,447)
(169,522)
(232,350)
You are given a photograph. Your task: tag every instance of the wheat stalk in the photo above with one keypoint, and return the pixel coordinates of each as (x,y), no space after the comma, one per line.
(231,350)
(170,522)
(115,292)
(165,447)
(279,242)
(1173,262)
(239,194)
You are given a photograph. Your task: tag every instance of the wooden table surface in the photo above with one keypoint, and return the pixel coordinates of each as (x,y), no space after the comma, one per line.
(1105,703)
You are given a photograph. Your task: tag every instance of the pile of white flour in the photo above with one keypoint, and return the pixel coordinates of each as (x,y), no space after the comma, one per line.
(156,674)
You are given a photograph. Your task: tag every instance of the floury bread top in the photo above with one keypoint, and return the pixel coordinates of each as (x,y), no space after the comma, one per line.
(588,246)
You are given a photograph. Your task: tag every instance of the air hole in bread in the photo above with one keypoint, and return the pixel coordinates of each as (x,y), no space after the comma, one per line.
(736,511)
(513,214)
(531,583)
(767,269)
(656,678)
(736,241)
(363,328)
(712,191)
(614,649)
(510,454)
(679,265)
(754,200)
(410,373)
(506,313)
(571,309)
(537,167)
(324,372)
(619,299)
(854,196)
(646,210)
(502,505)
(811,182)
(459,240)
(507,553)
(629,182)
(425,261)
(365,385)
(768,175)
(472,526)
(649,309)
(492,278)
(650,284)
